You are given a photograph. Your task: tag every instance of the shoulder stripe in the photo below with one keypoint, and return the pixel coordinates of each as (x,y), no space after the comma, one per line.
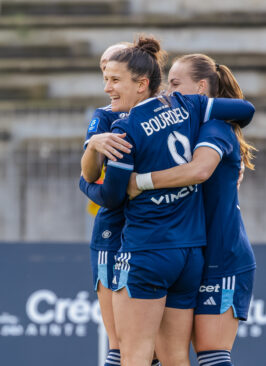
(208,110)
(212,146)
(120,165)
(107,108)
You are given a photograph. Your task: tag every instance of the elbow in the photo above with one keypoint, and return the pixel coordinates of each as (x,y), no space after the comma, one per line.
(201,175)
(251,108)
(252,111)
(88,178)
(250,114)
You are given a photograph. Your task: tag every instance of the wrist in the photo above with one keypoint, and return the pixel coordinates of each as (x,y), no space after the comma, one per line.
(91,144)
(144,182)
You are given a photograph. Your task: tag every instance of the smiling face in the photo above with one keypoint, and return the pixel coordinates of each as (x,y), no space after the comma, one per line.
(180,80)
(124,92)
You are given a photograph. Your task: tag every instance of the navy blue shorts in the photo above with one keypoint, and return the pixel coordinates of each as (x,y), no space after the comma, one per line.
(102,262)
(175,273)
(217,295)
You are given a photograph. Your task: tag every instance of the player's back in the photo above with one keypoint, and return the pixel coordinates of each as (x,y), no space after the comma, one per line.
(228,249)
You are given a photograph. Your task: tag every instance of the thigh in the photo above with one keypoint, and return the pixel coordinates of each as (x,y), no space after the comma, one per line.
(221,303)
(173,340)
(213,332)
(137,323)
(106,306)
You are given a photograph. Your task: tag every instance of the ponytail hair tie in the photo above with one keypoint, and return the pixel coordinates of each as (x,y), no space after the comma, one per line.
(217,67)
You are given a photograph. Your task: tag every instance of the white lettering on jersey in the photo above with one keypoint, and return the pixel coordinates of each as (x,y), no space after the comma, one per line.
(172,139)
(170,198)
(164,119)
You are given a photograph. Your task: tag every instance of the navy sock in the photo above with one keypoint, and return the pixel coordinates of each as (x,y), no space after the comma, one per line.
(155,362)
(217,358)
(113,358)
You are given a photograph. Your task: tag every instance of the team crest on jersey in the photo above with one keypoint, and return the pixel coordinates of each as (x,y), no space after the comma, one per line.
(106,234)
(93,125)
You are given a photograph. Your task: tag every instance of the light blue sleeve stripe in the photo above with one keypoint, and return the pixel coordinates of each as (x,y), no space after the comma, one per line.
(120,165)
(212,146)
(208,110)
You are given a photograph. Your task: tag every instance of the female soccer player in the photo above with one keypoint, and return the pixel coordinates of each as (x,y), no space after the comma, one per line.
(225,292)
(156,265)
(108,223)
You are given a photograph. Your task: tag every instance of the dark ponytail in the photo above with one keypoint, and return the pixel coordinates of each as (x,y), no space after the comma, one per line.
(145,58)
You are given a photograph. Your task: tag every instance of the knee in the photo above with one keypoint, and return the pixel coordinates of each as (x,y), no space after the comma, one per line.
(211,344)
(128,359)
(177,358)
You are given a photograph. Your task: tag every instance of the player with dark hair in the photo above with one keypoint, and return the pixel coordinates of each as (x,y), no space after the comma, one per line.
(160,261)
(226,289)
(108,224)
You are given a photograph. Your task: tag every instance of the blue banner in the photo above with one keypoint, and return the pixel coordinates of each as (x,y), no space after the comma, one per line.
(49,313)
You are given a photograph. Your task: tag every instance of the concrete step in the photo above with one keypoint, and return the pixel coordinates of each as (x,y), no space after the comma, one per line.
(10,107)
(234,60)
(66,7)
(23,92)
(62,63)
(199,39)
(189,7)
(48,65)
(50,49)
(251,19)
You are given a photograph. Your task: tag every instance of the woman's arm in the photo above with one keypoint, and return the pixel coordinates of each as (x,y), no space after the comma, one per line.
(237,110)
(215,140)
(101,145)
(112,193)
(203,164)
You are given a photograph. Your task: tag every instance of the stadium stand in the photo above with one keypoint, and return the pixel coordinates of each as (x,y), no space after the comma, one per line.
(50,83)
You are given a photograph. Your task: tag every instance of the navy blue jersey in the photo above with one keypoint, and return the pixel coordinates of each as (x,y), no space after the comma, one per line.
(108,224)
(228,251)
(162,132)
(101,122)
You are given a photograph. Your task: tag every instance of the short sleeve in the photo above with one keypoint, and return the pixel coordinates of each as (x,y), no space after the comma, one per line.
(99,123)
(217,135)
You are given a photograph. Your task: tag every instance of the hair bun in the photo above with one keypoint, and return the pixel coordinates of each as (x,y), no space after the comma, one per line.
(149,45)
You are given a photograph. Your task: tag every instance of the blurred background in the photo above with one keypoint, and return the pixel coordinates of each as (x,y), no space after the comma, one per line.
(50,83)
